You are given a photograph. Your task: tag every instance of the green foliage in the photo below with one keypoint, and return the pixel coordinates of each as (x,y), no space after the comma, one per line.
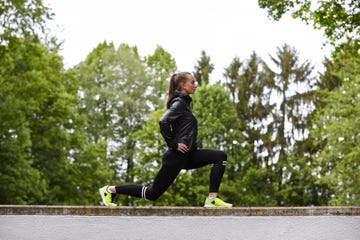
(40,122)
(290,81)
(115,92)
(22,18)
(337,124)
(338,18)
(16,171)
(269,106)
(90,171)
(277,9)
(203,69)
(160,65)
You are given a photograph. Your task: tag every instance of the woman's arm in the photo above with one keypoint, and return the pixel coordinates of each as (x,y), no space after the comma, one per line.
(175,111)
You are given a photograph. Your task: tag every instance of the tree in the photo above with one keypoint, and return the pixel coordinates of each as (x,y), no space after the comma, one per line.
(311,190)
(289,123)
(56,130)
(253,106)
(22,18)
(160,65)
(16,170)
(335,130)
(251,92)
(203,69)
(340,19)
(115,91)
(40,120)
(232,75)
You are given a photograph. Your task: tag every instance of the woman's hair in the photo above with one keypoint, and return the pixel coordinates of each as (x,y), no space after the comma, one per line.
(174,84)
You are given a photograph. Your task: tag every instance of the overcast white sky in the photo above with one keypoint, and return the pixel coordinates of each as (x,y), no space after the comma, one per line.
(224,29)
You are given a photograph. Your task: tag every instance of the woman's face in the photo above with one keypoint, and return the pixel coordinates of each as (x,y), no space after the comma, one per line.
(189,87)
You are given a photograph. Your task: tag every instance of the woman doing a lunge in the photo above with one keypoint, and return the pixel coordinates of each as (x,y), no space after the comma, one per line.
(178,127)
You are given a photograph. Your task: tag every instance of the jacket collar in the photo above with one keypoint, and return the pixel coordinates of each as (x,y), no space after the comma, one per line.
(179,94)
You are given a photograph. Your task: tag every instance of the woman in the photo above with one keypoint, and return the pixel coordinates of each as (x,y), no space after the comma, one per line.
(178,127)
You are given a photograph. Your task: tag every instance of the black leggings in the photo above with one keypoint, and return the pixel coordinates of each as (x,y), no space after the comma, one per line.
(172,164)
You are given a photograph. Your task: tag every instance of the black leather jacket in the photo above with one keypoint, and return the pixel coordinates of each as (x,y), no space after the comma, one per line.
(178,124)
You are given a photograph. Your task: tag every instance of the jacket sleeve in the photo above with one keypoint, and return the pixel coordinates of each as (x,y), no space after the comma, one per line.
(174,112)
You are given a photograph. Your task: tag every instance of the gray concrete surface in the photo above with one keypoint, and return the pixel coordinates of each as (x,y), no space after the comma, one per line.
(57,227)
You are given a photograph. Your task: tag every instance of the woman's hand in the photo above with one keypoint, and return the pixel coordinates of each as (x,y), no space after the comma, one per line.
(182,148)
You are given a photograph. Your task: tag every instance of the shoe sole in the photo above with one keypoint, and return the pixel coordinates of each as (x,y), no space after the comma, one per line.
(212,206)
(102,203)
(102,198)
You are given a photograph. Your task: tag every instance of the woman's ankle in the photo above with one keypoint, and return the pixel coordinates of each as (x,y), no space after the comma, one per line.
(212,195)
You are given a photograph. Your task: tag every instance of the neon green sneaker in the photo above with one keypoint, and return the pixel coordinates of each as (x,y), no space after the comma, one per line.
(106,197)
(216,202)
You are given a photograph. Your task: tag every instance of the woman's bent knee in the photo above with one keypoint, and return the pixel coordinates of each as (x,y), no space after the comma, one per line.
(152,195)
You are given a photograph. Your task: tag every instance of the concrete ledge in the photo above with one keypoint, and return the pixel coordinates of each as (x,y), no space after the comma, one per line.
(176,211)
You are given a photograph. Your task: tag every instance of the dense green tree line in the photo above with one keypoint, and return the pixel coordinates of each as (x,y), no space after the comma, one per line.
(290,134)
